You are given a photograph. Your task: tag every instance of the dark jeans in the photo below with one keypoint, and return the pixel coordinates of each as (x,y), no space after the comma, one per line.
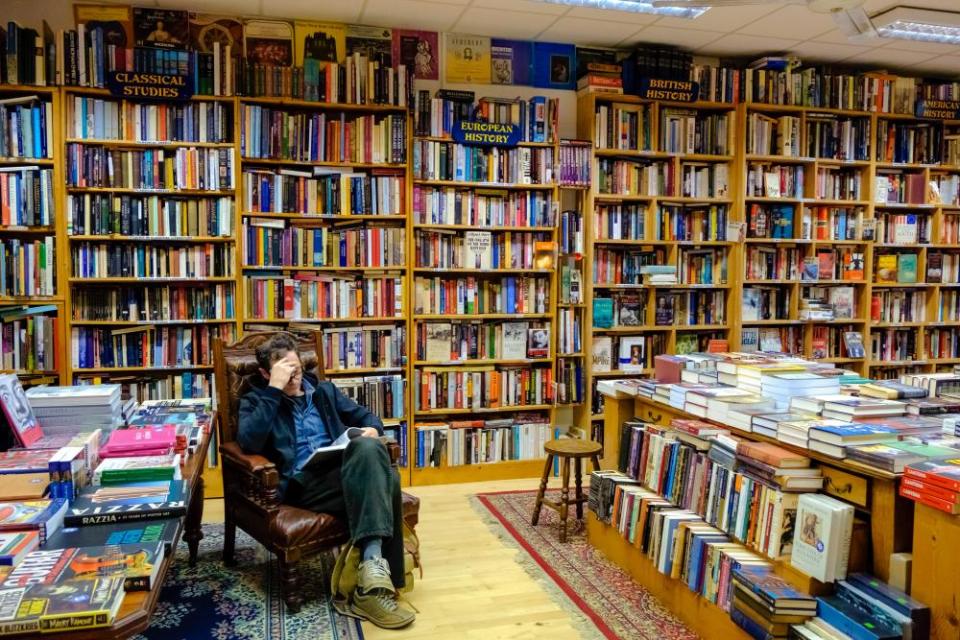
(364,490)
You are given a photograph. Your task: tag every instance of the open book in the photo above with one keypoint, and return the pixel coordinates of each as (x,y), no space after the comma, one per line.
(332,454)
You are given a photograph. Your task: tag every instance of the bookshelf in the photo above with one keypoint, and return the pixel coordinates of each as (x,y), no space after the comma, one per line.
(324,214)
(484,289)
(662,194)
(32,330)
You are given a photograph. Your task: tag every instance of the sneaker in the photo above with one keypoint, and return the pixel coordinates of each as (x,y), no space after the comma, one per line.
(382,609)
(374,575)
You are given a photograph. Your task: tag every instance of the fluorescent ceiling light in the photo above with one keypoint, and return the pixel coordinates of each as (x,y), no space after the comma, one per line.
(635,6)
(908,23)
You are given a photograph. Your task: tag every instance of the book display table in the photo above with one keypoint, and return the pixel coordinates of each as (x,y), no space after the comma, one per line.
(874,493)
(138,606)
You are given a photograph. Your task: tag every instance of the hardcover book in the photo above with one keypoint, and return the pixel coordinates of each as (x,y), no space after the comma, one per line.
(821,541)
(907,268)
(773,589)
(77,604)
(554,65)
(439,341)
(14,545)
(419,51)
(515,340)
(602,313)
(632,354)
(164,531)
(479,251)
(43,516)
(137,564)
(538,342)
(18,412)
(126,503)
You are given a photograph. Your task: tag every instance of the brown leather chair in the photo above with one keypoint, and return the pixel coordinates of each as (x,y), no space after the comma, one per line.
(251,482)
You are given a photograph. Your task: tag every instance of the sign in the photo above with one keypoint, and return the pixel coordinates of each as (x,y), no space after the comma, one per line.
(150,86)
(671,90)
(487,134)
(940,109)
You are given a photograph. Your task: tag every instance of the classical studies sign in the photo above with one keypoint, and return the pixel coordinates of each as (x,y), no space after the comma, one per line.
(150,86)
(486,134)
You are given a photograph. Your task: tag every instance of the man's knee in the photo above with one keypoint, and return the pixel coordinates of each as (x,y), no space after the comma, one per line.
(370,448)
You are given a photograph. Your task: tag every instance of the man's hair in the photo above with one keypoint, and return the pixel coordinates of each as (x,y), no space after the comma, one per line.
(274,349)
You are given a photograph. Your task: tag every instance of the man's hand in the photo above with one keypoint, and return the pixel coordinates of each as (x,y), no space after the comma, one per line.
(282,370)
(370,432)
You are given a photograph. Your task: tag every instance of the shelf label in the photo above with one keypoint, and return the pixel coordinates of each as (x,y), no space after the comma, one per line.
(672,90)
(150,86)
(941,109)
(487,134)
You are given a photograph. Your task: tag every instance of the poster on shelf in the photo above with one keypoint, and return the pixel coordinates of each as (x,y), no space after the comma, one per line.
(320,41)
(467,59)
(268,42)
(160,28)
(207,30)
(554,65)
(419,50)
(375,43)
(115,21)
(511,61)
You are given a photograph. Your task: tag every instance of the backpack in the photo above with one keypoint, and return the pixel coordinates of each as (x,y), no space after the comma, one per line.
(343,581)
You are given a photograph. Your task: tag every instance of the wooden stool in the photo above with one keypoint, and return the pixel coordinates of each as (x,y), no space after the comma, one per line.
(566,449)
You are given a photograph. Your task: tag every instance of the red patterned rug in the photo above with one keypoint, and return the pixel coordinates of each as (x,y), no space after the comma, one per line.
(615,607)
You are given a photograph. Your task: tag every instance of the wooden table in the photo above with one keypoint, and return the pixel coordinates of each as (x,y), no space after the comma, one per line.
(138,606)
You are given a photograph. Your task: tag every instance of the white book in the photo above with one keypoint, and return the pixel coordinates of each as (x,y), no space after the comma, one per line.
(479,251)
(515,340)
(821,541)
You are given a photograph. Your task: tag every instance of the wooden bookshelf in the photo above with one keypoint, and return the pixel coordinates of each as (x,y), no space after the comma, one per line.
(49,233)
(661,148)
(425,227)
(324,218)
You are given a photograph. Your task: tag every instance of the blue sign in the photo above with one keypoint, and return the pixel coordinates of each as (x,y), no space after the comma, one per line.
(149,86)
(942,109)
(487,134)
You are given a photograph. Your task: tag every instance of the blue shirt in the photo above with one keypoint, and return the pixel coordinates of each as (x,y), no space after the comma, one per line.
(311,432)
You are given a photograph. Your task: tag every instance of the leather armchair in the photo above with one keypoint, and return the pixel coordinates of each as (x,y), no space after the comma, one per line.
(251,482)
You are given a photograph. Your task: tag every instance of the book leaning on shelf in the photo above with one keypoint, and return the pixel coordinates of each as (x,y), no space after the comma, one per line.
(28,338)
(146,346)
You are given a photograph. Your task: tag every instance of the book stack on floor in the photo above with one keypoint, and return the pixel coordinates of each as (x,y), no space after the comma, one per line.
(765,605)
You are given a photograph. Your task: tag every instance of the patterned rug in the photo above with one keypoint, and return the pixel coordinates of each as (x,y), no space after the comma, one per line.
(214,602)
(615,606)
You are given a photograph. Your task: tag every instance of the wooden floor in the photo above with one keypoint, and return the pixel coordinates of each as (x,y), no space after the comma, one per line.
(472,586)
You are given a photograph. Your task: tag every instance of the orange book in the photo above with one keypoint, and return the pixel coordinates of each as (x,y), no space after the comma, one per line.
(773,455)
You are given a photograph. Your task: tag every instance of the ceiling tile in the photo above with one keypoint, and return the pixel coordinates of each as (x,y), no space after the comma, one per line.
(522,5)
(793,21)
(822,52)
(737,44)
(888,58)
(943,66)
(686,38)
(410,14)
(874,7)
(503,24)
(588,32)
(609,14)
(726,19)
(917,46)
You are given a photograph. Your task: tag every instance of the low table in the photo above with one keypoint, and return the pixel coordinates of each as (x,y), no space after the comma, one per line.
(138,606)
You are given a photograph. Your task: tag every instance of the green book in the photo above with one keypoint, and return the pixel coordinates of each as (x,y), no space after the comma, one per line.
(907,268)
(602,313)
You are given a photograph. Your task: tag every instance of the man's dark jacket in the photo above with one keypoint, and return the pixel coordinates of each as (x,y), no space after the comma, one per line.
(266,424)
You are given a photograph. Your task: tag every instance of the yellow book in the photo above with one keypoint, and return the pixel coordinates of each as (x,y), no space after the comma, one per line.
(322,41)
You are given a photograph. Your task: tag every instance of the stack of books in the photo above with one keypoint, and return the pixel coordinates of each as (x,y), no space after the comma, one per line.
(765,605)
(935,483)
(659,274)
(852,408)
(783,387)
(79,408)
(833,439)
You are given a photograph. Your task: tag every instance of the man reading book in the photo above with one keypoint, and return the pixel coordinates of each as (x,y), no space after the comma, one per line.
(287,416)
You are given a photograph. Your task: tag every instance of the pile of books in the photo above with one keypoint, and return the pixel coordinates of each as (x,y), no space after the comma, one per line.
(659,274)
(933,482)
(71,410)
(765,605)
(864,607)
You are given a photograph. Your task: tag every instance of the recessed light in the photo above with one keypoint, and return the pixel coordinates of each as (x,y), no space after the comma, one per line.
(635,6)
(929,25)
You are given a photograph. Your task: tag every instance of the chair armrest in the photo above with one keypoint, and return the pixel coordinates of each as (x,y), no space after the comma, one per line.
(253,476)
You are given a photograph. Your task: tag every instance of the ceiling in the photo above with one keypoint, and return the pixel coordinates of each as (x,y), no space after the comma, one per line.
(723,31)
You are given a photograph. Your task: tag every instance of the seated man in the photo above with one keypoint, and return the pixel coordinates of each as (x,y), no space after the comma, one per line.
(285,417)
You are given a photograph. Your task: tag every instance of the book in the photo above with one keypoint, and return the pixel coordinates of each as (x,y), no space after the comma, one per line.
(853,344)
(18,412)
(554,65)
(772,589)
(268,43)
(137,564)
(515,340)
(77,604)
(886,268)
(43,516)
(160,28)
(821,541)
(632,356)
(907,268)
(419,51)
(853,434)
(15,545)
(897,600)
(603,313)
(467,59)
(135,501)
(943,472)
(511,61)
(602,356)
(478,249)
(162,531)
(538,342)
(113,471)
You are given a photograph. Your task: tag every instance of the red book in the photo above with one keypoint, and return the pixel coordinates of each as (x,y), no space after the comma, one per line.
(773,455)
(932,490)
(942,473)
(924,498)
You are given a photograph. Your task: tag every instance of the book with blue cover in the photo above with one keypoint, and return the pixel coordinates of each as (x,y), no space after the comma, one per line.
(554,65)
(773,589)
(897,600)
(854,621)
(854,433)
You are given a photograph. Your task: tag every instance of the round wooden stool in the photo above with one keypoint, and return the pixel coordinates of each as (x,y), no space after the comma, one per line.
(565,449)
